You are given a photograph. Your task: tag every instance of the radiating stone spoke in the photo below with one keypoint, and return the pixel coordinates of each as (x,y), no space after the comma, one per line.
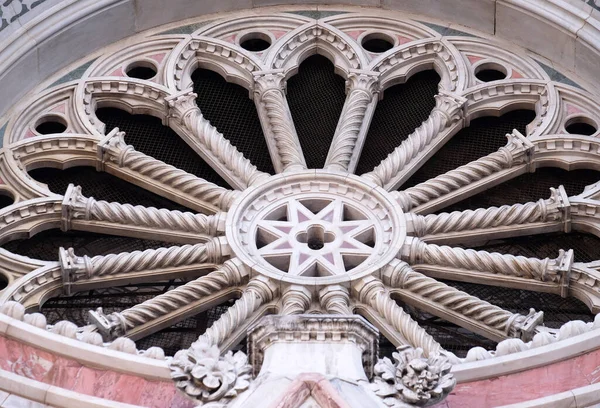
(278,126)
(417,252)
(543,216)
(458,307)
(117,157)
(87,214)
(185,117)
(173,306)
(86,272)
(259,291)
(371,292)
(362,90)
(508,162)
(448,111)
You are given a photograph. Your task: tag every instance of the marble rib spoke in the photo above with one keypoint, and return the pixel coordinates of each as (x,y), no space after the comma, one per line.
(508,162)
(123,161)
(458,307)
(447,112)
(277,123)
(84,272)
(173,306)
(543,216)
(87,214)
(209,143)
(544,270)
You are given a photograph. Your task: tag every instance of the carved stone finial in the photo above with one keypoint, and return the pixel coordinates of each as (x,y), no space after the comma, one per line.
(110,326)
(202,374)
(412,380)
(73,267)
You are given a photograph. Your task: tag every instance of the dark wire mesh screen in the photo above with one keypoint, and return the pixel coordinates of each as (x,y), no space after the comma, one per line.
(172,339)
(101,186)
(45,245)
(148,135)
(529,187)
(316,98)
(5,200)
(484,136)
(228,108)
(403,108)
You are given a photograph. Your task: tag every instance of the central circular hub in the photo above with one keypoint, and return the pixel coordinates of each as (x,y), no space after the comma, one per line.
(315,237)
(301,226)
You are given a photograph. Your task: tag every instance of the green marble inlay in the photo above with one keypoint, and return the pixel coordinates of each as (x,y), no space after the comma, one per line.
(2,131)
(186,29)
(447,31)
(75,74)
(557,76)
(316,14)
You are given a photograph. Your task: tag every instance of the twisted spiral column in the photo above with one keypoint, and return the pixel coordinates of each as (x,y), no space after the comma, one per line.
(448,110)
(80,207)
(501,322)
(372,292)
(545,270)
(270,97)
(76,268)
(118,324)
(362,89)
(482,218)
(258,292)
(506,157)
(114,149)
(335,299)
(185,112)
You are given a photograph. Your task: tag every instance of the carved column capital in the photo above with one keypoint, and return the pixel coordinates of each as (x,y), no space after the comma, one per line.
(518,150)
(75,206)
(112,148)
(110,326)
(523,327)
(265,81)
(558,207)
(365,81)
(182,104)
(450,105)
(73,267)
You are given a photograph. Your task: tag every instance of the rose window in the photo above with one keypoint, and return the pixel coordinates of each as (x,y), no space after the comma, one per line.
(188,184)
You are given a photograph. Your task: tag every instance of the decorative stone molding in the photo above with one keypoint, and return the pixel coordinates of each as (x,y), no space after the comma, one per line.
(323,330)
(413,380)
(278,126)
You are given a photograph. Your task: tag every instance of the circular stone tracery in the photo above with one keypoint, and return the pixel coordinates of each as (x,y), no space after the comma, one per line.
(315,224)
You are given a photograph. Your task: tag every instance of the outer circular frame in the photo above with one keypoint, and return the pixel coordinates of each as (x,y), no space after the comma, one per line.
(373,201)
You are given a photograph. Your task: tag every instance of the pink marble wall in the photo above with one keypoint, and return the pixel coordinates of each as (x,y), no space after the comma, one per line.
(67,373)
